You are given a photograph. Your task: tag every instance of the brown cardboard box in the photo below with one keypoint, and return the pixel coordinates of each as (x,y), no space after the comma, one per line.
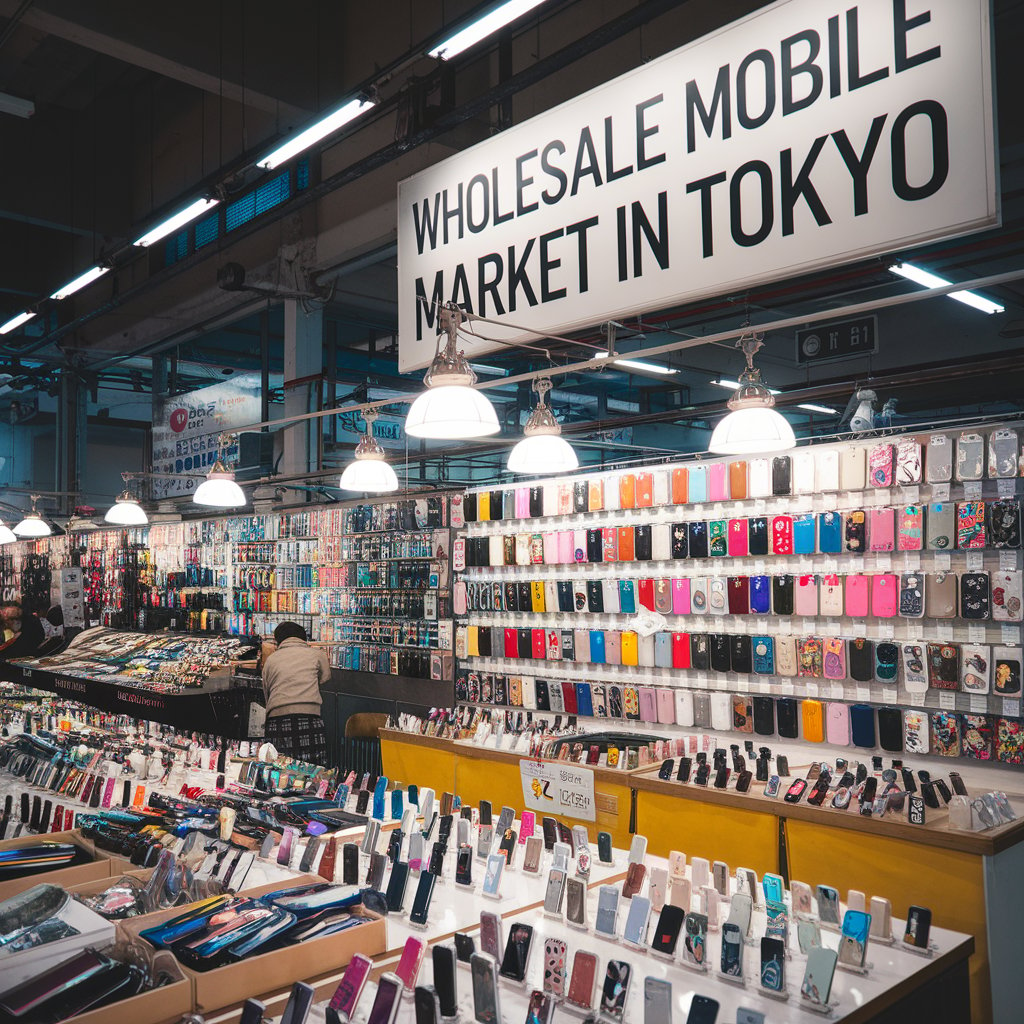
(98,867)
(102,884)
(271,972)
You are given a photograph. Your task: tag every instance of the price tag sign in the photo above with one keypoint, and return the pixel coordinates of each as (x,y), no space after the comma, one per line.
(698,511)
(975,561)
(812,689)
(836,691)
(702,680)
(947,700)
(832,626)
(912,494)
(940,492)
(886,630)
(1011,634)
(786,686)
(972,488)
(912,561)
(883,561)
(976,633)
(1011,707)
(862,692)
(762,625)
(890,694)
(720,683)
(1006,487)
(1007,559)
(881,495)
(943,561)
(978,704)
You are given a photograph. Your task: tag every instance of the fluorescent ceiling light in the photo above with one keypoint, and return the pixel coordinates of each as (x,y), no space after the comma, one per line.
(732,385)
(929,280)
(21,318)
(179,220)
(16,105)
(810,407)
(79,283)
(483,27)
(314,133)
(640,364)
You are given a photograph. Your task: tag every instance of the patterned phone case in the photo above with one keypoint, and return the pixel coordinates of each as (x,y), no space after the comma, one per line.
(554,967)
(970,524)
(945,734)
(916,732)
(880,465)
(809,652)
(976,737)
(910,533)
(1009,740)
(908,461)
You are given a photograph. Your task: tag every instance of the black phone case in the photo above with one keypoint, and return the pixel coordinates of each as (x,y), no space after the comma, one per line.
(542,695)
(781,472)
(469,507)
(719,646)
(1004,523)
(595,546)
(524,639)
(697,538)
(860,654)
(525,599)
(497,504)
(741,654)
(890,729)
(680,537)
(536,502)
(757,535)
(565,596)
(764,715)
(580,496)
(512,596)
(786,718)
(595,595)
(642,542)
(862,725)
(700,656)
(782,594)
(975,590)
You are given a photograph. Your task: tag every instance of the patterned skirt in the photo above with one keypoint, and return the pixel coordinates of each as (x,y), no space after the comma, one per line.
(299,736)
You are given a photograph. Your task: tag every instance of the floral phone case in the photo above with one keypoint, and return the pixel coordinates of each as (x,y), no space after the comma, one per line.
(1009,740)
(554,967)
(809,651)
(945,730)
(1006,595)
(782,535)
(1004,523)
(910,532)
(970,524)
(976,736)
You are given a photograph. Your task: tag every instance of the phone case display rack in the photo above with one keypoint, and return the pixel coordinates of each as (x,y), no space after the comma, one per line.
(370,582)
(866,593)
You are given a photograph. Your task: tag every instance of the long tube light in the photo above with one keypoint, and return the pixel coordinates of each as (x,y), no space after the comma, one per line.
(178,220)
(79,283)
(732,385)
(487,25)
(641,364)
(315,132)
(927,279)
(15,322)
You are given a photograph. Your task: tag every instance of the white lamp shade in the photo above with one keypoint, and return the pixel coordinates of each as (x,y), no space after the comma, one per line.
(542,453)
(7,535)
(219,490)
(451,412)
(126,512)
(374,476)
(753,430)
(32,526)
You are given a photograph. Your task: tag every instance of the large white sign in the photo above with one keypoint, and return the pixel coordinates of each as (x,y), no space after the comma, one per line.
(558,788)
(183,445)
(812,133)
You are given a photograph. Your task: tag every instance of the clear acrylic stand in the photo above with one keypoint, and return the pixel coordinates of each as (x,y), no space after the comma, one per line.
(732,979)
(690,965)
(782,997)
(850,969)
(917,951)
(822,1009)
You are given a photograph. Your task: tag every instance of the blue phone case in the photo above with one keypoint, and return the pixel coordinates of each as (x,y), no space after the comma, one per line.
(396,804)
(378,798)
(597,655)
(830,533)
(862,725)
(584,700)
(663,650)
(627,597)
(764,655)
(760,595)
(697,480)
(803,534)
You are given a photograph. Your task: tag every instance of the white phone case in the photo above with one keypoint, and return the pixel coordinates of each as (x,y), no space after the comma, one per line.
(975,668)
(684,708)
(721,712)
(785,656)
(1006,595)
(826,465)
(610,592)
(803,472)
(661,541)
(645,651)
(661,488)
(700,872)
(496,550)
(550,500)
(699,595)
(915,671)
(916,739)
(529,688)
(759,478)
(611,493)
(830,596)
(938,463)
(852,468)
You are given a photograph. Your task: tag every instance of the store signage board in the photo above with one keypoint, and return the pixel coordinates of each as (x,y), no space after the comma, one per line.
(185,431)
(837,339)
(558,789)
(810,134)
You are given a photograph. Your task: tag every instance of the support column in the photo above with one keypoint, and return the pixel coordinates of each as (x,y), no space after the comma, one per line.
(303,369)
(72,409)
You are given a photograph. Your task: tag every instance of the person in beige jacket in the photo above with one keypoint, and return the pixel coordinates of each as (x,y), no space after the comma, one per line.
(292,677)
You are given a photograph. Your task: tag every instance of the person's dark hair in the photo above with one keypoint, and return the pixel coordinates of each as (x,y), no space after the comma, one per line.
(287,630)
(55,616)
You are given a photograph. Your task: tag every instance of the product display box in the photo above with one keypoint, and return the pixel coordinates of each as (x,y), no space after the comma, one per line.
(99,866)
(227,986)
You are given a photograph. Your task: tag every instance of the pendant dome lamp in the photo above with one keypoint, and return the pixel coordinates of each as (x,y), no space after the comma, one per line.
(752,425)
(369,471)
(542,449)
(219,489)
(126,510)
(451,409)
(7,535)
(32,526)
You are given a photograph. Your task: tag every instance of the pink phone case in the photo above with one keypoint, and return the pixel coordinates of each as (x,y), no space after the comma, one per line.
(550,548)
(522,503)
(565,555)
(612,647)
(717,473)
(880,465)
(666,706)
(911,530)
(885,588)
(739,545)
(856,597)
(681,596)
(648,704)
(782,535)
(837,724)
(805,599)
(882,529)
(834,660)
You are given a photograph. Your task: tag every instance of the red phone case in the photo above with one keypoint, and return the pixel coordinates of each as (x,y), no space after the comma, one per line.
(511,642)
(680,650)
(645,594)
(644,490)
(739,595)
(739,546)
(782,535)
(569,697)
(610,539)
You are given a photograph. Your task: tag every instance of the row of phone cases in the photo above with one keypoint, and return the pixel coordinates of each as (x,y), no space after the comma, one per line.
(912,595)
(943,665)
(810,471)
(940,526)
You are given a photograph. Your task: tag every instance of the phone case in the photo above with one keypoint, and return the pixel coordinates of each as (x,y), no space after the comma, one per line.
(681,596)
(908,461)
(826,469)
(612,647)
(738,480)
(940,595)
(1003,454)
(943,666)
(648,707)
(666,708)
(760,595)
(916,732)
(663,596)
(627,491)
(697,539)
(804,539)
(834,658)
(837,724)
(887,661)
(884,595)
(915,677)
(976,737)
(862,725)
(757,535)
(697,484)
(763,655)
(939,459)
(718,538)
(782,535)
(830,533)
(975,597)
(805,601)
(945,731)
(626,545)
(911,595)
(856,595)
(739,595)
(764,711)
(680,485)
(881,465)
(740,655)
(782,470)
(699,595)
(684,708)
(786,718)
(860,655)
(738,540)
(830,596)
(882,529)
(717,481)
(855,530)
(644,490)
(803,478)
(1006,670)
(1003,527)
(717,600)
(940,526)
(661,542)
(759,478)
(970,456)
(742,714)
(852,468)
(970,524)
(812,721)
(1006,595)
(718,644)
(910,528)
(700,651)
(809,655)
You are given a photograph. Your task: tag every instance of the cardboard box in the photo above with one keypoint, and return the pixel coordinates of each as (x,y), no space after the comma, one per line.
(269,973)
(98,867)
